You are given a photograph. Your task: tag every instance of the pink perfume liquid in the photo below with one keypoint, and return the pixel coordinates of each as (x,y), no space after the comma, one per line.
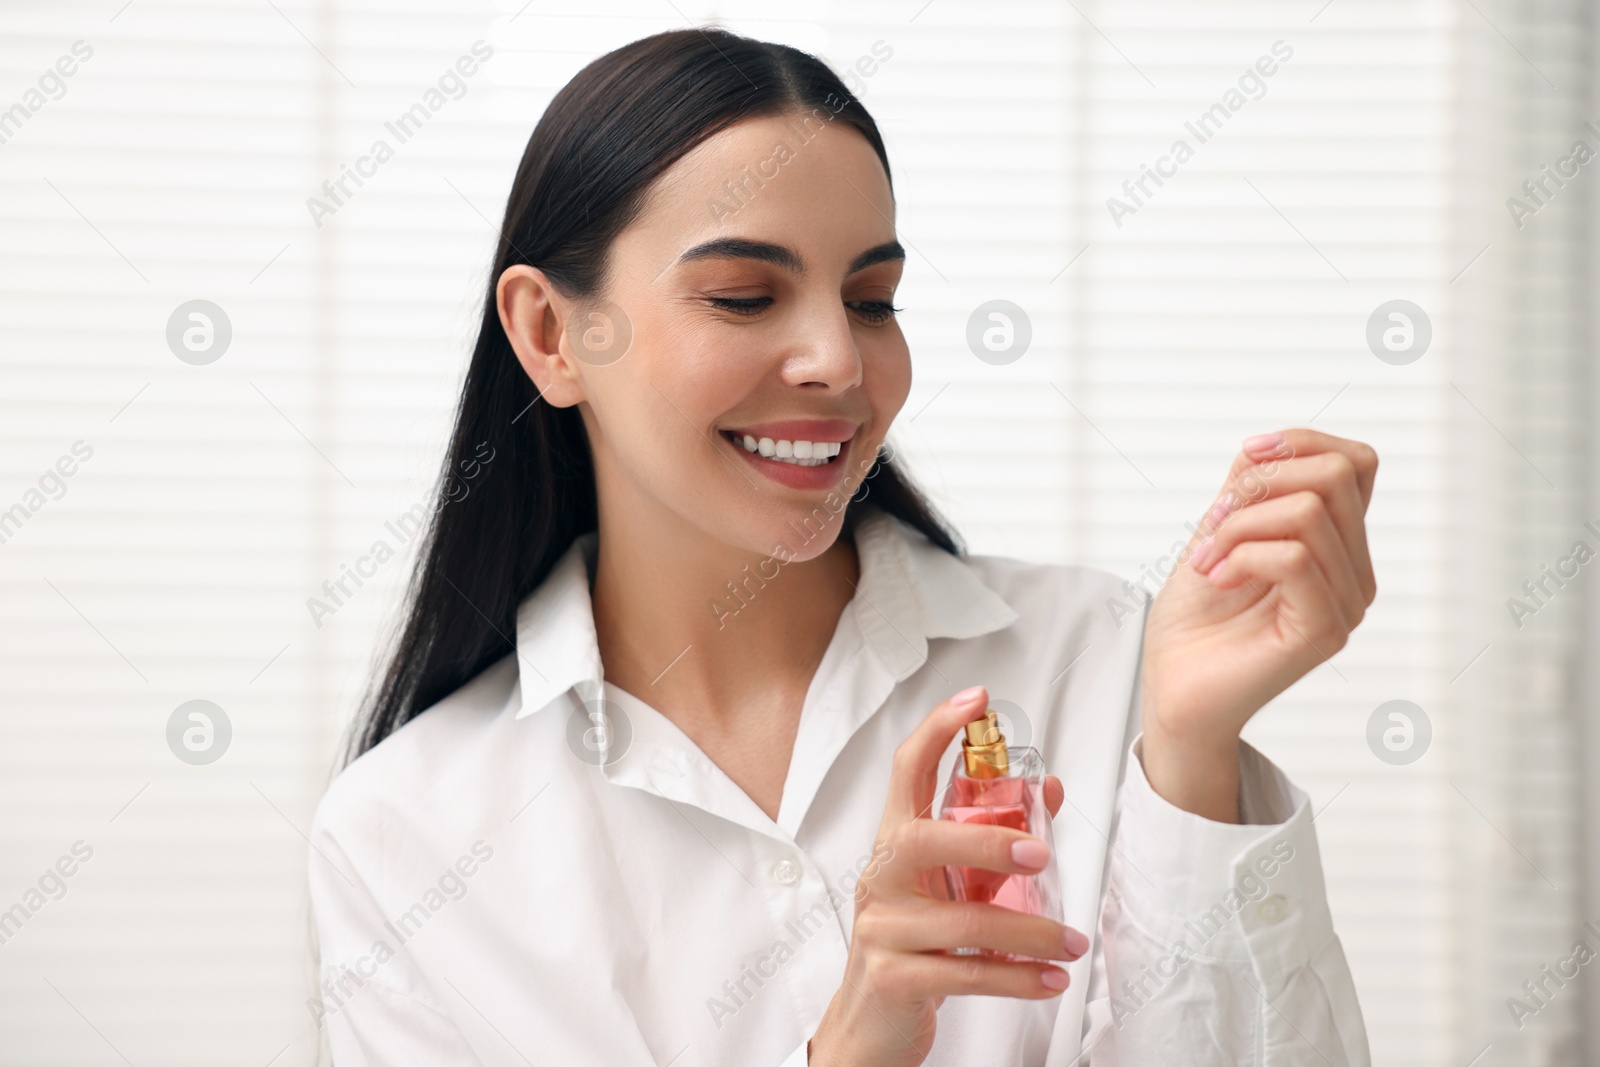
(994,785)
(994,802)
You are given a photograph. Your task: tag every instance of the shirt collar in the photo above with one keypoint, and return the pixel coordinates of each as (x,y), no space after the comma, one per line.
(909,591)
(557,649)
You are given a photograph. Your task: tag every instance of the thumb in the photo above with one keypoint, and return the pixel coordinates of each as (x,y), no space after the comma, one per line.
(913,780)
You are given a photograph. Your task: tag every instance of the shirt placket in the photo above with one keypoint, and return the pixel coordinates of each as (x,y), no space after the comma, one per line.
(806,948)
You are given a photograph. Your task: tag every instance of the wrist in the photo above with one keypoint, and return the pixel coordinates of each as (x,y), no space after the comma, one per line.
(819,1053)
(1197,774)
(821,1045)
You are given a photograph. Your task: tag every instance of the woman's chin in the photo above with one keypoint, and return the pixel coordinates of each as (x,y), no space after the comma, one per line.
(796,534)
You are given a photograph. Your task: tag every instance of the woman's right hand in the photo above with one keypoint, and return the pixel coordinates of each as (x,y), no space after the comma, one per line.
(900,970)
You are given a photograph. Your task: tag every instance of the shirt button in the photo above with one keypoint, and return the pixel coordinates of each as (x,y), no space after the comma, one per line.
(786,871)
(1273,909)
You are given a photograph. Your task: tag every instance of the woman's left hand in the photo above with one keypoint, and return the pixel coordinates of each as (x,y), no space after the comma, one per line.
(1270,586)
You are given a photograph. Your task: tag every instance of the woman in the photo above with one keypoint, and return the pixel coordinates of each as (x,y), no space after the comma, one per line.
(648,778)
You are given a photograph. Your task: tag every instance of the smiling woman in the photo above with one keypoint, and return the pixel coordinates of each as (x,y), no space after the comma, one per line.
(674,797)
(597,194)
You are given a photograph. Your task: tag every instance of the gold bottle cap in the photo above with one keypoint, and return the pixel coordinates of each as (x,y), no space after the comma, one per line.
(984,748)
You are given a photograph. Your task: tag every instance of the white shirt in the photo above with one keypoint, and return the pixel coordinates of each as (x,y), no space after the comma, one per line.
(484,896)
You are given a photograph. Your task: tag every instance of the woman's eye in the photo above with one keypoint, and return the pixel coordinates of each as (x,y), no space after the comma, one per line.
(875,311)
(748,305)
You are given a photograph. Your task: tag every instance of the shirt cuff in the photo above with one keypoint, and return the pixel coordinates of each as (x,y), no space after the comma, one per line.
(1247,893)
(799,1057)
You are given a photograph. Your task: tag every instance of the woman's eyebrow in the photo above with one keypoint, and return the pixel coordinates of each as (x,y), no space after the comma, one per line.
(782,255)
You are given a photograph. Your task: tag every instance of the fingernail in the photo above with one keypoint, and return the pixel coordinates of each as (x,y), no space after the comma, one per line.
(1075,942)
(1053,978)
(967,697)
(1030,852)
(1220,510)
(1200,554)
(1263,442)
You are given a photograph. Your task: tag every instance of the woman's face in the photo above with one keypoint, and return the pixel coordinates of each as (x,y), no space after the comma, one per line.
(745,362)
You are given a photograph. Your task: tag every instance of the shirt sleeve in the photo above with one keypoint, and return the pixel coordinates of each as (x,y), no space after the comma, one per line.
(1215,944)
(375,1005)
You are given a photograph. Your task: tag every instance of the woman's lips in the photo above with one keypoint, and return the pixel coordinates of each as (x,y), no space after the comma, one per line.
(799,461)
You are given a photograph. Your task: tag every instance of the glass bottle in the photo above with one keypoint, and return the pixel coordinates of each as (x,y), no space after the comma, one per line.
(995,786)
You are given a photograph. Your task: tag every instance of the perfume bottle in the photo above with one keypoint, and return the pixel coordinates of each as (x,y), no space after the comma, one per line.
(995,786)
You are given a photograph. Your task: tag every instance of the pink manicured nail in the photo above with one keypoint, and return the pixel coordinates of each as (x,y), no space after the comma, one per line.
(1030,853)
(1075,942)
(1200,554)
(967,697)
(1053,978)
(1263,442)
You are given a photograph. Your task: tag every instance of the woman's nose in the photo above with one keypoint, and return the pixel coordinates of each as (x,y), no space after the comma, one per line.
(827,355)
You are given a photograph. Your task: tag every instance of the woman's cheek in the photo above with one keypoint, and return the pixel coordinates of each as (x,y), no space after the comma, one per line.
(713,384)
(889,381)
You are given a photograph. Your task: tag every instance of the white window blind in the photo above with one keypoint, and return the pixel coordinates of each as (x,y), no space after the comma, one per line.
(197,153)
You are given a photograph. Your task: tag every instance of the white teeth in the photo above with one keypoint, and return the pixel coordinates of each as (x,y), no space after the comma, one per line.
(800,453)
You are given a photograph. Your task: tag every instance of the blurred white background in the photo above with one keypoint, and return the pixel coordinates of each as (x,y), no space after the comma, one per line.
(207,503)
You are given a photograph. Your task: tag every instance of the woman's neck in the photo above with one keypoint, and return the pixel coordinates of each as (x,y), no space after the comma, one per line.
(684,618)
(721,641)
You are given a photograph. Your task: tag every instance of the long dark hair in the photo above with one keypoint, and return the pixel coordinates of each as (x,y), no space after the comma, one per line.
(617,125)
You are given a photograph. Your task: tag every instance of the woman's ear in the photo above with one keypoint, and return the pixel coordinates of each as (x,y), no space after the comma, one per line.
(534,315)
